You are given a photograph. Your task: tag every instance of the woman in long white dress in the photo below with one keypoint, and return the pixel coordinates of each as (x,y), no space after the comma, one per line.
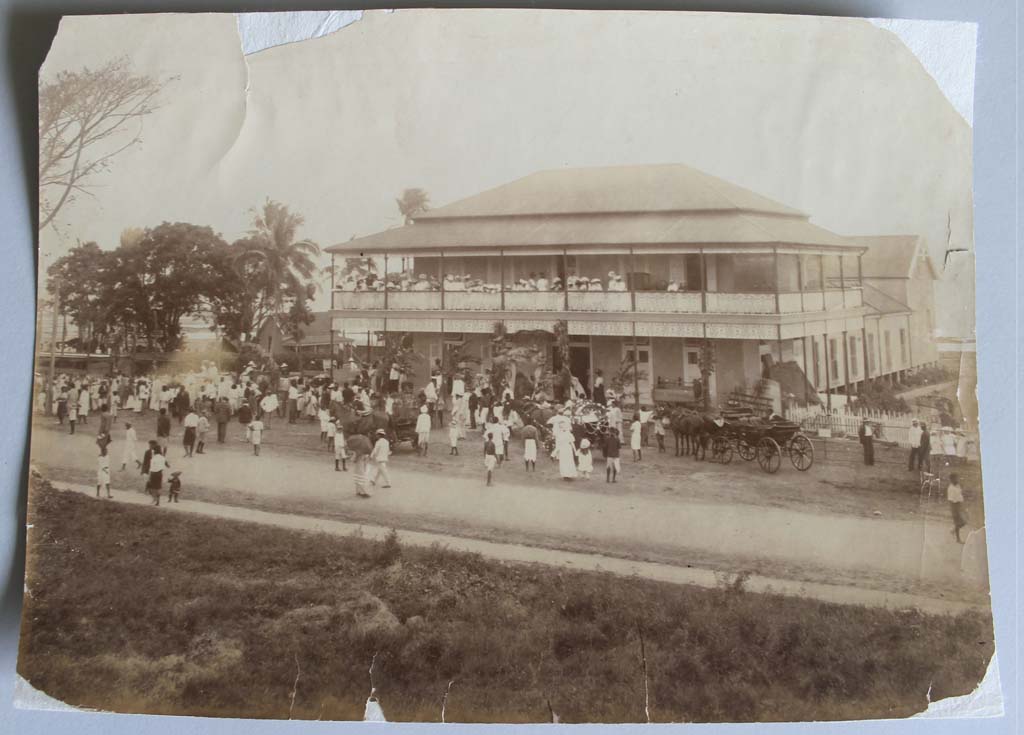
(636,433)
(565,450)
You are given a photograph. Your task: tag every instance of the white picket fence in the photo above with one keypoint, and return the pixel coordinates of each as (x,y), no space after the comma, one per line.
(816,420)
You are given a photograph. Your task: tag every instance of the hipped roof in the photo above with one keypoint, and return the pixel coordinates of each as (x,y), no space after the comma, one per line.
(612,206)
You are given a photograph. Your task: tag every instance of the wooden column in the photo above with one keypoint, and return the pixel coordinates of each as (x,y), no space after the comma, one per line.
(636,372)
(703,283)
(775,279)
(910,349)
(807,377)
(800,284)
(632,296)
(828,369)
(846,365)
(864,342)
(842,279)
(441,268)
(386,281)
(821,265)
(501,268)
(565,279)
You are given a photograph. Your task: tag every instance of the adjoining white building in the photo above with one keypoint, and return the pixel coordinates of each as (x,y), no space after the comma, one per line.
(671,257)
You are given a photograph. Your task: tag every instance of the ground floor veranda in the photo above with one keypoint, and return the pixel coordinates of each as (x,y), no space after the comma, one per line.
(820,356)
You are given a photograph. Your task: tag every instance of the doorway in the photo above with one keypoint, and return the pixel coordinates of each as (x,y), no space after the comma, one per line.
(644,364)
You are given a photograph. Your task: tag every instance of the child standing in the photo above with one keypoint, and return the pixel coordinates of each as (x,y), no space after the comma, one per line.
(659,432)
(636,430)
(256,435)
(612,444)
(201,431)
(530,447)
(332,433)
(103,467)
(423,430)
(325,420)
(174,487)
(490,457)
(585,460)
(454,432)
(130,437)
(955,496)
(340,450)
(72,416)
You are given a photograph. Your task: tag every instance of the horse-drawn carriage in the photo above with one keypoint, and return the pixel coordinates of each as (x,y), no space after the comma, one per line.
(399,427)
(764,440)
(589,421)
(741,432)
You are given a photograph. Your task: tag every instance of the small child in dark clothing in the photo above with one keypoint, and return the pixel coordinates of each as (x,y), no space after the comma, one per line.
(174,487)
(490,457)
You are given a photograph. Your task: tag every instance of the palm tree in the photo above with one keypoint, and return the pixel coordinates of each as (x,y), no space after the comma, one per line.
(280,266)
(413,202)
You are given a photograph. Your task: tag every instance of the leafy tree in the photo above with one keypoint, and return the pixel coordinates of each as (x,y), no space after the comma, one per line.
(277,263)
(508,352)
(87,118)
(168,274)
(82,277)
(412,202)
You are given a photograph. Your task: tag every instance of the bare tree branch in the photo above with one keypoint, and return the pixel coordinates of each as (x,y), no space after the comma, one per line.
(82,118)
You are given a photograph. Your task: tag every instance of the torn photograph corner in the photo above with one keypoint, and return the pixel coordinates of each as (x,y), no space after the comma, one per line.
(507,366)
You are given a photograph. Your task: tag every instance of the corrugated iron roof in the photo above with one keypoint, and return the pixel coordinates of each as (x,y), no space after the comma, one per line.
(733,228)
(610,189)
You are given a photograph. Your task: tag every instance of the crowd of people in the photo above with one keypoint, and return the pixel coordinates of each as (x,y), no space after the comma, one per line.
(468,283)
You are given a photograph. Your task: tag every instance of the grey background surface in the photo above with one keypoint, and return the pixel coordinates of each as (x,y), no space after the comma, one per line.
(28,26)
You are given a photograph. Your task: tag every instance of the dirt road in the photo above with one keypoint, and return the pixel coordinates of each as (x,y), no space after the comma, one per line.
(911,554)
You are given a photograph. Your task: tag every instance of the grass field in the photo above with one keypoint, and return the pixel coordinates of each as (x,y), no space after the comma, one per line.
(133,609)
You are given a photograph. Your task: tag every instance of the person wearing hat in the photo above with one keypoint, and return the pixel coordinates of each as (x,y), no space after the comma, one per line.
(585,459)
(174,487)
(379,459)
(529,433)
(423,431)
(595,285)
(914,435)
(866,433)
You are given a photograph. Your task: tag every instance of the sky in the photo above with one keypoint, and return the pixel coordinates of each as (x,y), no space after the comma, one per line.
(835,117)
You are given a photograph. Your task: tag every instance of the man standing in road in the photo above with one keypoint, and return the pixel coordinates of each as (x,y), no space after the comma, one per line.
(867,440)
(222,414)
(379,457)
(612,445)
(163,429)
(914,434)
(191,424)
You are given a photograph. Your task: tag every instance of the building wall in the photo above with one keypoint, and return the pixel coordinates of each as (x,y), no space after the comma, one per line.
(921,298)
(737,365)
(668,358)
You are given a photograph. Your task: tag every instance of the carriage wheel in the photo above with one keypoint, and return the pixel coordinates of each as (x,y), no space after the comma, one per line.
(769,455)
(801,452)
(721,450)
(746,450)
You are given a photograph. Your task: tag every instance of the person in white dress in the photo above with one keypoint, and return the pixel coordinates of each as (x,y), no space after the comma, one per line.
(636,432)
(128,456)
(565,451)
(586,459)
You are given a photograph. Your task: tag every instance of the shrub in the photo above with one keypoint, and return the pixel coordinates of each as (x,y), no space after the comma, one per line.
(390,550)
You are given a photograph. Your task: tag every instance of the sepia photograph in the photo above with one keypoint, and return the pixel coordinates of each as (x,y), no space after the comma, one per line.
(505,366)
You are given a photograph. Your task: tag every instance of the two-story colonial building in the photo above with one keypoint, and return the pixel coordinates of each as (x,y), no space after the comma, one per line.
(637,260)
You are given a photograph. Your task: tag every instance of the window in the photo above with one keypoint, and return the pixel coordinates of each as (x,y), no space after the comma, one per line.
(811,267)
(833,359)
(888,352)
(853,357)
(815,361)
(903,347)
(832,275)
(871,354)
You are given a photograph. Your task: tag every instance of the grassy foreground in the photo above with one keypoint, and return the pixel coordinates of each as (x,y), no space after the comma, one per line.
(134,609)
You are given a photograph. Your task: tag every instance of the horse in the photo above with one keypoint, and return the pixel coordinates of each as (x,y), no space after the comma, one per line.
(690,428)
